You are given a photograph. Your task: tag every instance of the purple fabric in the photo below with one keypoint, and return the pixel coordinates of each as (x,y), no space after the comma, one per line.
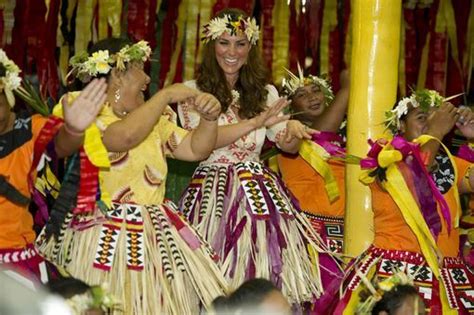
(407,148)
(327,139)
(466,153)
(371,160)
(425,196)
(41,216)
(331,278)
(368,163)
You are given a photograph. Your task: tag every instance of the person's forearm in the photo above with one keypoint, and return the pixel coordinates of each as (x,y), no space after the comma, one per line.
(128,132)
(430,149)
(229,134)
(333,116)
(203,139)
(67,141)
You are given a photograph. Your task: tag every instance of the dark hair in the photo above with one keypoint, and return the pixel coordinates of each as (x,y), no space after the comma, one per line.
(249,295)
(394,298)
(67,287)
(253,77)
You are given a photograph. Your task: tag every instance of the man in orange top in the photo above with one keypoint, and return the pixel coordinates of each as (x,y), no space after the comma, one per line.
(23,139)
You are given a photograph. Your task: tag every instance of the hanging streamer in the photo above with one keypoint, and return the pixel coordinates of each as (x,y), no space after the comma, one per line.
(329,24)
(180,23)
(281,40)
(8,19)
(191,40)
(84,15)
(205,15)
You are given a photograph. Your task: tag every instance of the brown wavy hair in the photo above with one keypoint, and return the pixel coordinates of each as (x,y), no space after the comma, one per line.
(253,77)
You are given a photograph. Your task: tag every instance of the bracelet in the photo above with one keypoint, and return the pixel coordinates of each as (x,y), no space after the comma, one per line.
(72,132)
(210,120)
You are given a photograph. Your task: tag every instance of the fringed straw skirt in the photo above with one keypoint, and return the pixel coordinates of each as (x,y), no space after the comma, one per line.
(248,216)
(150,257)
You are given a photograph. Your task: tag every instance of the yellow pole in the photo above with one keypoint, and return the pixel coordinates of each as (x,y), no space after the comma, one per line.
(374,71)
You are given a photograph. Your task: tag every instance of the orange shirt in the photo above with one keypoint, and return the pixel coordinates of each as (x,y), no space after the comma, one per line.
(16,222)
(392,232)
(308,186)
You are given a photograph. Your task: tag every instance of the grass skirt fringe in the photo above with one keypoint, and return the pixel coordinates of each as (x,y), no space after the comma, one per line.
(248,216)
(151,259)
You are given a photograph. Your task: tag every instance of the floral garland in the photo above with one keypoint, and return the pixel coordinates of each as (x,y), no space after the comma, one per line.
(377,290)
(234,25)
(85,67)
(294,82)
(98,297)
(9,77)
(424,99)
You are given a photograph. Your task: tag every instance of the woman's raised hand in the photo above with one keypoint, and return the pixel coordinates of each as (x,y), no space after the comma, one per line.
(178,92)
(296,130)
(207,106)
(84,109)
(465,122)
(270,116)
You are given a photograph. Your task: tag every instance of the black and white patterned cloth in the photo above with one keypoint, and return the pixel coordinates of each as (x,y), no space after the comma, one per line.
(443,176)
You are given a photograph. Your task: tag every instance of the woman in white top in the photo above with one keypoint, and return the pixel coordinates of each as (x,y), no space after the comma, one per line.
(238,205)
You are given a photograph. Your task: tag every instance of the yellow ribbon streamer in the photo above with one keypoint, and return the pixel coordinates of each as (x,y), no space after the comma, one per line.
(84,16)
(329,24)
(273,164)
(399,191)
(281,40)
(316,156)
(205,12)
(421,81)
(8,19)
(190,40)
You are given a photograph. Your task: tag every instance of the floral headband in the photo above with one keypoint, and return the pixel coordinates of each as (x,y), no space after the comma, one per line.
(10,80)
(293,82)
(97,297)
(234,25)
(86,67)
(424,99)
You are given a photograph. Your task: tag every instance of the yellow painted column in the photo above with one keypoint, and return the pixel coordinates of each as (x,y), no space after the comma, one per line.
(374,74)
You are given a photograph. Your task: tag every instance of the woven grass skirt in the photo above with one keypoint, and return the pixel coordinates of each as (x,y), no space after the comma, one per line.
(250,219)
(151,258)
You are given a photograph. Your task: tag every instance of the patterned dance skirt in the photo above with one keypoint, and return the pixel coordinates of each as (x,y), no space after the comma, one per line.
(250,219)
(453,293)
(331,230)
(151,258)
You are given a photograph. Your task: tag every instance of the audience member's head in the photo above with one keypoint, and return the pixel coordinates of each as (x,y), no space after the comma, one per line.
(82,298)
(256,296)
(403,299)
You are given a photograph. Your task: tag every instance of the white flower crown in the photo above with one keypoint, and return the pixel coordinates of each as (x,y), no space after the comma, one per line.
(11,80)
(85,67)
(234,25)
(294,82)
(425,99)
